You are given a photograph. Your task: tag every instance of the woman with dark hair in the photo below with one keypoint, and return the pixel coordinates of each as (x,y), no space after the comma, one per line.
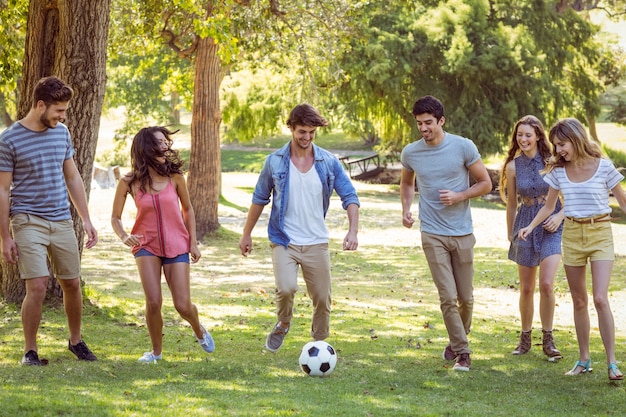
(163,237)
(524,192)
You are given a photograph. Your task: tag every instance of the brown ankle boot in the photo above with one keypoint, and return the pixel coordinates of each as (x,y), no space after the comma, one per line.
(525,342)
(549,349)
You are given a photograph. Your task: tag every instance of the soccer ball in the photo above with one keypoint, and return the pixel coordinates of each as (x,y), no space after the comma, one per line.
(318,358)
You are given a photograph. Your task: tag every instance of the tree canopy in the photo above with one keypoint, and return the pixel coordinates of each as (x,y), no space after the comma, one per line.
(490,62)
(362,62)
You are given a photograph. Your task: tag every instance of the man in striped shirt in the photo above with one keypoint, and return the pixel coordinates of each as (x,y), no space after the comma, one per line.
(37,171)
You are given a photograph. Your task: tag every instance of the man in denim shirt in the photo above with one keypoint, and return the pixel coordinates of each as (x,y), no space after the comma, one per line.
(300,178)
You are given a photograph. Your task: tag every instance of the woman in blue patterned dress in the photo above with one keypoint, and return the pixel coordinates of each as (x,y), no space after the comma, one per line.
(524,191)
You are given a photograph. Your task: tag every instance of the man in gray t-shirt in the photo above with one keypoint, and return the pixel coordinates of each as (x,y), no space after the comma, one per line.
(37,174)
(440,164)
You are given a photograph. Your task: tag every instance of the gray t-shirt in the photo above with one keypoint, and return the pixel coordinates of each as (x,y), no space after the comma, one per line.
(442,167)
(36,161)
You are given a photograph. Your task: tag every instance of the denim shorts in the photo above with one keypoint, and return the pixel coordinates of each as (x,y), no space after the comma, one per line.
(165,261)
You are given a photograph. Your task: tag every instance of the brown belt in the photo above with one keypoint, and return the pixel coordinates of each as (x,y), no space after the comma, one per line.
(531,201)
(592,220)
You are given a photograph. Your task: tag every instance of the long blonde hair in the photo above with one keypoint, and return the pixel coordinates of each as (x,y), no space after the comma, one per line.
(571,130)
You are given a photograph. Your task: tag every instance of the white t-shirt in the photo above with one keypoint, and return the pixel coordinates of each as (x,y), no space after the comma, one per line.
(588,198)
(304,217)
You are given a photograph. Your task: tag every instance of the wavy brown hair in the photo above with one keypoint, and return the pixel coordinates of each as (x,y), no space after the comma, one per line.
(306,115)
(544,148)
(51,90)
(571,130)
(144,153)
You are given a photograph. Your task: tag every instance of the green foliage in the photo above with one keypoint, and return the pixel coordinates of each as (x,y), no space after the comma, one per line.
(618,157)
(144,75)
(618,112)
(489,62)
(253,105)
(13,15)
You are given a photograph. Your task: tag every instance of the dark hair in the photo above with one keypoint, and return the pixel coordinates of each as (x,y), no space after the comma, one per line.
(543,146)
(305,115)
(144,151)
(51,90)
(571,130)
(429,104)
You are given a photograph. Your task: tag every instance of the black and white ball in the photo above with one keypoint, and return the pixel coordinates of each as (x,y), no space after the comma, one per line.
(318,358)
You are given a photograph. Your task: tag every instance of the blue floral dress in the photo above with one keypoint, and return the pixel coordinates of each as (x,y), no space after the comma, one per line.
(532,190)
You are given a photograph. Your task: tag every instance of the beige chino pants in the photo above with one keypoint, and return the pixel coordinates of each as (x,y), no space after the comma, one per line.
(315,263)
(451,263)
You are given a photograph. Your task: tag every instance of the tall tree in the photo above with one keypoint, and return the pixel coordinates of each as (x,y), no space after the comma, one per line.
(214,35)
(67,39)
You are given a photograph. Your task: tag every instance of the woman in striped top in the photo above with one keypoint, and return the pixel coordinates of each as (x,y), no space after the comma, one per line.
(579,172)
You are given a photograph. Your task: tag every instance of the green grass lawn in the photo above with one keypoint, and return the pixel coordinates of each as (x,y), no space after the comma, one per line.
(386,326)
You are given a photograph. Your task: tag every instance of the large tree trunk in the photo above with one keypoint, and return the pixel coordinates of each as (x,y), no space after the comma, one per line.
(205,165)
(66,38)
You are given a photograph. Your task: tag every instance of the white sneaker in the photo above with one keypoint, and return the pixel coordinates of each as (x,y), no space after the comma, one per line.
(207,342)
(149,357)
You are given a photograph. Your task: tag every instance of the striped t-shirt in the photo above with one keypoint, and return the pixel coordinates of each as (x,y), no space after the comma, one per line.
(36,161)
(588,198)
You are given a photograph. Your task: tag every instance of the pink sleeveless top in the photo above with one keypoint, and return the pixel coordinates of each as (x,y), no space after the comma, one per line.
(160,221)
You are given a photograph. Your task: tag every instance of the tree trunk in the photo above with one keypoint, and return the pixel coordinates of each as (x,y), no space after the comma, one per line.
(67,39)
(205,165)
(593,129)
(175,107)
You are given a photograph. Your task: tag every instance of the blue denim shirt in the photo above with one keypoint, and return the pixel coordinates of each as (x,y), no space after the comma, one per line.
(274,181)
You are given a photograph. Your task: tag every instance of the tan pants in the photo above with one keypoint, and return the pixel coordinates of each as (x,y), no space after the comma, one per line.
(315,263)
(451,263)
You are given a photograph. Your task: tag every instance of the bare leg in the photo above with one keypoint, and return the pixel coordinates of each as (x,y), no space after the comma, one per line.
(73,303)
(576,277)
(526,295)
(601,276)
(150,273)
(547,272)
(32,309)
(177,277)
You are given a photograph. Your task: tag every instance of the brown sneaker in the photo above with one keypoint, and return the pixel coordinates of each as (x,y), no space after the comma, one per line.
(525,342)
(276,337)
(463,362)
(549,349)
(448,354)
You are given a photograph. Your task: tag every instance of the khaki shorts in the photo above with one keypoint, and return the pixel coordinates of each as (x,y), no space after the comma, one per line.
(591,241)
(38,239)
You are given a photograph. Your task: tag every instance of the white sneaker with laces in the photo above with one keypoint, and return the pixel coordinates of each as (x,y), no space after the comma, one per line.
(207,342)
(149,357)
